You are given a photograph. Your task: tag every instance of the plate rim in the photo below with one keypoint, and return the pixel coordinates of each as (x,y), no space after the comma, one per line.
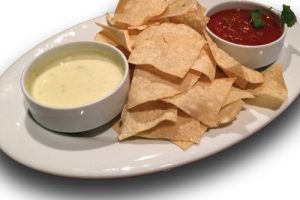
(132,174)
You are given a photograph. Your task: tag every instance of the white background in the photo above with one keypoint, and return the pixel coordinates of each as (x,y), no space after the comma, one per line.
(265,166)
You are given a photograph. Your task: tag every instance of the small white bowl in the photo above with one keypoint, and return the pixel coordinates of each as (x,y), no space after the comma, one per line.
(251,56)
(80,118)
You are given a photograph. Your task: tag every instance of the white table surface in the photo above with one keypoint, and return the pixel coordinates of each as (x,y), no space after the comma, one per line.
(265,166)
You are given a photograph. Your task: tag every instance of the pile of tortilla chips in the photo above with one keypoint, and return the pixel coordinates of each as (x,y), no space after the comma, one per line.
(182,83)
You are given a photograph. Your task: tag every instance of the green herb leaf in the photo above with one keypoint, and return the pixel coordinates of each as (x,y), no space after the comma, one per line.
(288,16)
(257,21)
(255,14)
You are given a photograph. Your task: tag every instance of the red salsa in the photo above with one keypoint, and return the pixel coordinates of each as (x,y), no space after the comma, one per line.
(235,26)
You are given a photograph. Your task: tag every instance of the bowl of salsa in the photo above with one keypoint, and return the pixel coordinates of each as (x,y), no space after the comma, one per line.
(254,43)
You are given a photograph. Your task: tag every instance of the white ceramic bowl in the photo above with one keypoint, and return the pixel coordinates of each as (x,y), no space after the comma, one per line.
(251,56)
(85,117)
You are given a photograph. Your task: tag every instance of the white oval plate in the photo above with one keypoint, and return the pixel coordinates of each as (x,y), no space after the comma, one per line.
(98,154)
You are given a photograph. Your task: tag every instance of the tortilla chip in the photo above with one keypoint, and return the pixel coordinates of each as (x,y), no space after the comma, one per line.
(178,7)
(111,22)
(232,67)
(194,18)
(145,117)
(205,64)
(220,74)
(171,48)
(273,92)
(229,112)
(183,145)
(140,28)
(119,36)
(117,126)
(236,94)
(138,12)
(204,100)
(110,19)
(239,82)
(184,129)
(150,84)
(201,9)
(102,38)
(146,25)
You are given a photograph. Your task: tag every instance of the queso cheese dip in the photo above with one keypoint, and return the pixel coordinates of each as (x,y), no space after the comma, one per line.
(76,80)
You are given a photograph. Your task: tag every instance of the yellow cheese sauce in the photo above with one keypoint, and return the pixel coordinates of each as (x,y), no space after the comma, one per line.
(76,80)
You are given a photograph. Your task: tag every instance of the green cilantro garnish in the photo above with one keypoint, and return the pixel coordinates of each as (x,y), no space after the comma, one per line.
(288,16)
(256,14)
(257,21)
